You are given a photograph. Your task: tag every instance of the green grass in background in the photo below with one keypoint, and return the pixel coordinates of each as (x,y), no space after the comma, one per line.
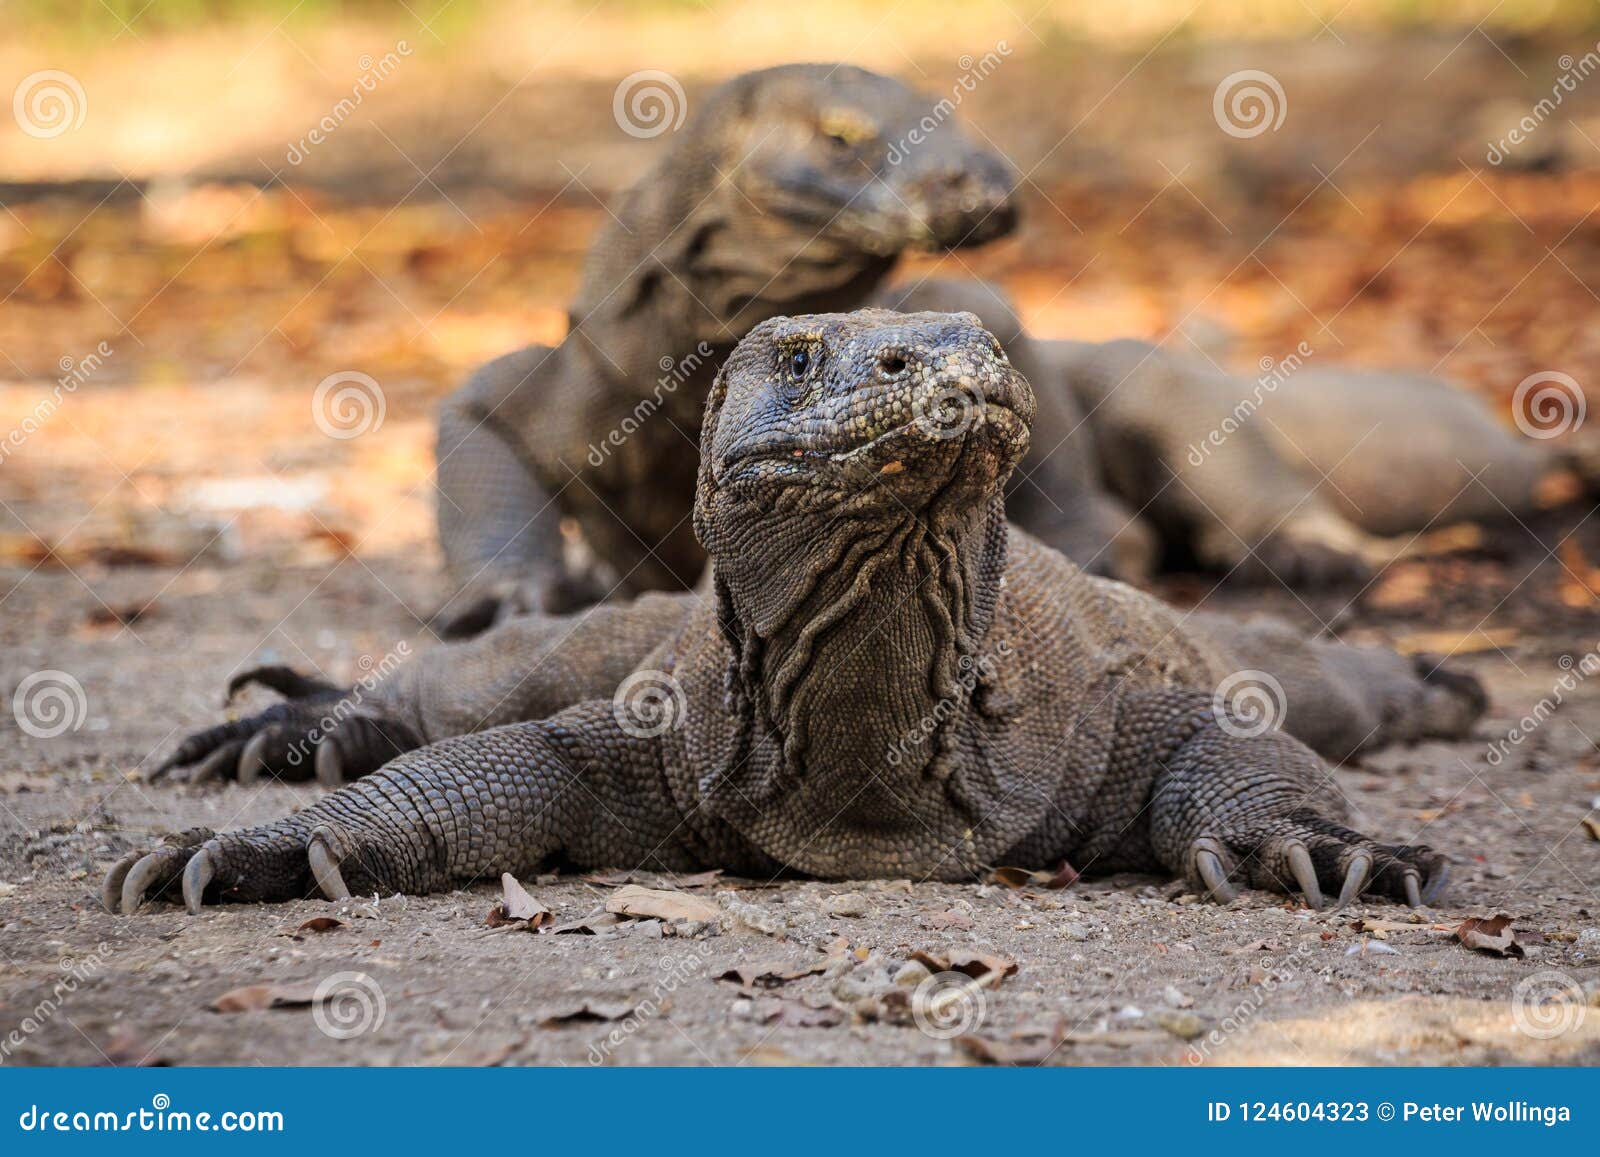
(115,18)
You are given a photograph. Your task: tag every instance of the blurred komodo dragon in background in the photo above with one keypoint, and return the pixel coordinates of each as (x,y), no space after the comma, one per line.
(886,678)
(1310,478)
(780,195)
(792,190)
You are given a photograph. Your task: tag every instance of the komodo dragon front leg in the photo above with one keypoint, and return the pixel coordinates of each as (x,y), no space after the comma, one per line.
(499,527)
(1229,806)
(527,668)
(459,811)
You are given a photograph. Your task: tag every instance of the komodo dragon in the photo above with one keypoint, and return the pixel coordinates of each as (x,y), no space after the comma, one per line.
(886,679)
(784,193)
(1304,475)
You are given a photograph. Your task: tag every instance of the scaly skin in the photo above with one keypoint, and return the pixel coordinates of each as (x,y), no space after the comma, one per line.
(863,580)
(1313,478)
(790,190)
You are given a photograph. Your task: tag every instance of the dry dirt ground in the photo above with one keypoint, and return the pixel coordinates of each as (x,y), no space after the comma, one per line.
(1108,972)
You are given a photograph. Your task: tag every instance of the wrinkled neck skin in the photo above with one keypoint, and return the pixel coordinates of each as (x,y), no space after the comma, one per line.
(856,646)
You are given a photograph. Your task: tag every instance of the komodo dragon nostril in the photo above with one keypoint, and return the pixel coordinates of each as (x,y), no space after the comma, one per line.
(892,363)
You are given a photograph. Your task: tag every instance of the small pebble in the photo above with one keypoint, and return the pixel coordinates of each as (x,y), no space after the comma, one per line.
(1183,1025)
(847,904)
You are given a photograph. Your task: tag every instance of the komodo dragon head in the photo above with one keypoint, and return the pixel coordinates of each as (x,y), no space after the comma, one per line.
(871,414)
(788,190)
(850,498)
(839,151)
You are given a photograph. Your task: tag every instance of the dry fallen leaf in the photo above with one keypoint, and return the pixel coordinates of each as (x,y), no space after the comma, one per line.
(1062,877)
(518,907)
(789,1013)
(589,925)
(1492,935)
(1592,826)
(698,880)
(253,997)
(985,969)
(608,879)
(320,924)
(608,1007)
(643,903)
(1034,1046)
(771,973)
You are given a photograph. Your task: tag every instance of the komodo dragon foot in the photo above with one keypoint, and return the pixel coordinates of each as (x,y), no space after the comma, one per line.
(320,729)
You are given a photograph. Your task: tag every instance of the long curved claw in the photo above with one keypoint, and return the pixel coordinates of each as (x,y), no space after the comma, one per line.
(330,764)
(1413,891)
(1209,865)
(1355,879)
(1305,874)
(196,875)
(143,873)
(111,888)
(1436,884)
(325,869)
(215,765)
(252,760)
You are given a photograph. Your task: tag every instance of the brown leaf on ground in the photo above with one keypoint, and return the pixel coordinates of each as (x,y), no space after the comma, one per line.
(1027,1046)
(978,965)
(518,907)
(1592,826)
(789,1013)
(253,997)
(698,880)
(608,879)
(118,616)
(320,924)
(644,903)
(589,925)
(591,1008)
(771,973)
(1062,877)
(126,1050)
(1492,935)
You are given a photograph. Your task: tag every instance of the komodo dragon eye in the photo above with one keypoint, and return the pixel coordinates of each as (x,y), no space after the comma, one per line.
(799,368)
(845,129)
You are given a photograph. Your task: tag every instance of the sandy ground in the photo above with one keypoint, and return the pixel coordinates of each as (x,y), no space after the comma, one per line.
(1127,970)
